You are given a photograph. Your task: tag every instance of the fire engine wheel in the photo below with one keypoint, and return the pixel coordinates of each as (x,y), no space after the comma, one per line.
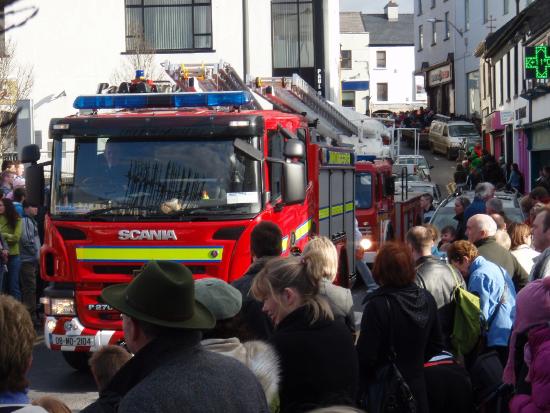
(78,361)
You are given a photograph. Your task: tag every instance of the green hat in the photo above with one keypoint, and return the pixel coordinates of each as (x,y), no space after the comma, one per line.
(223,300)
(163,294)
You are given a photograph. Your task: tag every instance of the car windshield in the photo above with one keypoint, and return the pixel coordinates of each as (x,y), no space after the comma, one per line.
(445,216)
(152,177)
(420,161)
(363,190)
(463,130)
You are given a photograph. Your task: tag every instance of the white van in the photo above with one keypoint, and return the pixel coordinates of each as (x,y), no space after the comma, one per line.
(448,137)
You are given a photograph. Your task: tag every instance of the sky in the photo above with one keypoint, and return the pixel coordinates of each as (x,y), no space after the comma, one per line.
(374,6)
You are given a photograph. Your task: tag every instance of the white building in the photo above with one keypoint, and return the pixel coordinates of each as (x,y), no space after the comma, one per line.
(382,54)
(73,45)
(447,32)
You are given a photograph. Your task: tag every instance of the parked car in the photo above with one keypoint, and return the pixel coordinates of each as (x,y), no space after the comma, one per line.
(445,213)
(449,137)
(419,187)
(415,164)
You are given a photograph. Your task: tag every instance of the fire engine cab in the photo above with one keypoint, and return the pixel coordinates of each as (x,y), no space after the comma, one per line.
(175,176)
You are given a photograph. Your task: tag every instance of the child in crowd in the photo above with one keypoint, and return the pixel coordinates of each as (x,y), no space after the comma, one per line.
(448,236)
(106,362)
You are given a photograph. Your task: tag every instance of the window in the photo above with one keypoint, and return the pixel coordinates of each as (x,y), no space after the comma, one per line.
(382,92)
(419,13)
(433,4)
(292,31)
(501,81)
(516,70)
(2,32)
(434,34)
(447,31)
(420,37)
(473,100)
(348,99)
(485,11)
(381,59)
(508,85)
(466,15)
(506,6)
(170,25)
(345,59)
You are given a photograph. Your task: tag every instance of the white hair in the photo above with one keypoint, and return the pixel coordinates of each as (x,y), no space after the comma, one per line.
(484,189)
(485,223)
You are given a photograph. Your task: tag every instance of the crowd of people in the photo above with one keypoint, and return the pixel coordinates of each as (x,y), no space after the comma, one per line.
(19,239)
(283,337)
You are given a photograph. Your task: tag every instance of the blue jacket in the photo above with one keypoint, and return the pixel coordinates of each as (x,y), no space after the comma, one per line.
(487,280)
(476,207)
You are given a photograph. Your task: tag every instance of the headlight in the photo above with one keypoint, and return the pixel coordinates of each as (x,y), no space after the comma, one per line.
(366,244)
(59,306)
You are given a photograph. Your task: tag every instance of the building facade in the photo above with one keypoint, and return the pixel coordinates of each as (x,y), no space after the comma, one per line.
(516,90)
(447,33)
(378,53)
(73,45)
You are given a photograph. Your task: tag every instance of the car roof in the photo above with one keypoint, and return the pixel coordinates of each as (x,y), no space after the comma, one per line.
(509,199)
(453,122)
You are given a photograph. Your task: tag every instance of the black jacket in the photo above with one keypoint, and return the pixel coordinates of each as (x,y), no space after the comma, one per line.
(258,323)
(460,227)
(437,277)
(417,336)
(489,249)
(172,372)
(318,363)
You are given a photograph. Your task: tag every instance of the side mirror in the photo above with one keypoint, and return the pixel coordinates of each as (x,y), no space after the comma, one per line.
(30,154)
(294,148)
(294,176)
(34,183)
(389,184)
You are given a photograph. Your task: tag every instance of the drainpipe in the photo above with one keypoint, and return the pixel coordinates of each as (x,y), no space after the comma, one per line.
(245,38)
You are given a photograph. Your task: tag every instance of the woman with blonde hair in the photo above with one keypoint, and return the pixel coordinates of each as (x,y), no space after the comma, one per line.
(318,363)
(324,264)
(520,236)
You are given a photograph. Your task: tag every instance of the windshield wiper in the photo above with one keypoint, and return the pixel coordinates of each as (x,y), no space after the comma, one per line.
(213,210)
(103,211)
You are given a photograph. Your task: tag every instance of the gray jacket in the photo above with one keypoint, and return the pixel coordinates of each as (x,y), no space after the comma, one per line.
(185,377)
(29,243)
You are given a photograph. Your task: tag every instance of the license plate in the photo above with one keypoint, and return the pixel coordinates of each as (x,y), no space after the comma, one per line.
(73,340)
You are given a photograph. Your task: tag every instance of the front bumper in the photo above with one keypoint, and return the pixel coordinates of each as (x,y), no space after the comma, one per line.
(68,334)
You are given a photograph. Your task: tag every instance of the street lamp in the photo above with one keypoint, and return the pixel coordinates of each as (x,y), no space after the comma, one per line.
(434,20)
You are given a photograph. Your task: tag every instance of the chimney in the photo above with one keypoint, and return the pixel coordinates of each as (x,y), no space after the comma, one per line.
(392,11)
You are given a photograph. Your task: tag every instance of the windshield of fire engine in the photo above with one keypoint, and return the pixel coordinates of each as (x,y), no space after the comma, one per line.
(158,177)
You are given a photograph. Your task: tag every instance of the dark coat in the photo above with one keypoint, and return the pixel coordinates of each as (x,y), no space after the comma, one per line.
(476,207)
(258,323)
(489,249)
(460,227)
(416,331)
(169,374)
(437,277)
(318,363)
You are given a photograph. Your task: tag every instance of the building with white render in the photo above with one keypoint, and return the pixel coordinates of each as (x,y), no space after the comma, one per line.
(73,45)
(446,35)
(377,62)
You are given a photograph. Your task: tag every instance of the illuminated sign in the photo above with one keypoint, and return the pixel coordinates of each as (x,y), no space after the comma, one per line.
(537,62)
(339,158)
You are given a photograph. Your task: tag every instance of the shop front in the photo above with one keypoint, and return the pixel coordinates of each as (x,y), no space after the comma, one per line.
(440,88)
(539,146)
(495,144)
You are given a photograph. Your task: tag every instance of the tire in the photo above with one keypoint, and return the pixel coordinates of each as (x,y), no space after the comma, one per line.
(78,361)
(450,156)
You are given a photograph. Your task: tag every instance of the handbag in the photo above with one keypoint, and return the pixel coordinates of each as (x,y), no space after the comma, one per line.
(389,392)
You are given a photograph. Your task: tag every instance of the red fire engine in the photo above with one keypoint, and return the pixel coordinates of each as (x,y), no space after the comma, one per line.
(175,176)
(381,215)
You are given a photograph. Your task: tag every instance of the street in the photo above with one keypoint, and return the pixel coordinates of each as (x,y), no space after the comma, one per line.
(50,375)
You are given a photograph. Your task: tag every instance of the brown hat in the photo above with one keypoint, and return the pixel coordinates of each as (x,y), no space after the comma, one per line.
(163,294)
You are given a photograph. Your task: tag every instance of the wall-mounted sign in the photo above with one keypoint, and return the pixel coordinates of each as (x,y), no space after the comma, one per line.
(440,75)
(537,62)
(506,117)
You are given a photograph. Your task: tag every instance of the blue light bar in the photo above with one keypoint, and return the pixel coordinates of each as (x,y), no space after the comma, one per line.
(162,100)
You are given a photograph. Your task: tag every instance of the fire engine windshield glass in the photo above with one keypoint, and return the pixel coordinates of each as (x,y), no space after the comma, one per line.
(153,177)
(363,191)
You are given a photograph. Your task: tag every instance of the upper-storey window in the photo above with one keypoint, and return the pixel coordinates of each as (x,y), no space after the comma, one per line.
(168,25)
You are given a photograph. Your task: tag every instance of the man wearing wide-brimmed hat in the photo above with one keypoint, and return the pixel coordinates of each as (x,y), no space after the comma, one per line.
(170,372)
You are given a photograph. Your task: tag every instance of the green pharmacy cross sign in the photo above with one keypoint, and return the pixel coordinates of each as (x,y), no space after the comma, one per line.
(537,62)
